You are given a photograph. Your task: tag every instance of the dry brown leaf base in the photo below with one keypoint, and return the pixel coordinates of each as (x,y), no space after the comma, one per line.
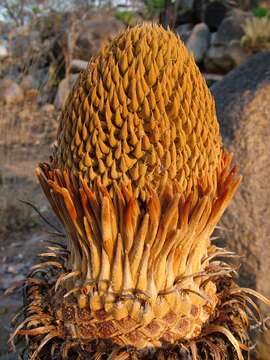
(223,337)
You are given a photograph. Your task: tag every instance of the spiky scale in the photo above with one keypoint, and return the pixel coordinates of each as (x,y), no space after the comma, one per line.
(144,85)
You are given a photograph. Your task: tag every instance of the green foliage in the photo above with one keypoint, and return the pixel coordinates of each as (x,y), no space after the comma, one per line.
(260,12)
(126,17)
(156,5)
(35,9)
(154,8)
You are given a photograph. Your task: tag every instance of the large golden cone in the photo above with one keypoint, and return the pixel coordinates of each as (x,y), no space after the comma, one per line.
(139,180)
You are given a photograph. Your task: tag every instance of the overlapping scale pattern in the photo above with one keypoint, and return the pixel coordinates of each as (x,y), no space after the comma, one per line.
(140,111)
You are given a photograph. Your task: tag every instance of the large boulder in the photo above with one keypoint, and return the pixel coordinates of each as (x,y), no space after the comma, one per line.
(243,108)
(198,41)
(231,28)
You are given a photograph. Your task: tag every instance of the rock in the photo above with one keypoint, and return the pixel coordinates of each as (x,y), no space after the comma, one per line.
(48,79)
(231,28)
(29,82)
(91,34)
(213,38)
(237,52)
(242,102)
(10,92)
(198,41)
(184,31)
(181,29)
(217,59)
(63,90)
(3,51)
(77,65)
(224,58)
(211,78)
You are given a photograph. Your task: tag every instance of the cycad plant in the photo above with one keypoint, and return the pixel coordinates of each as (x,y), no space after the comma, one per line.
(139,180)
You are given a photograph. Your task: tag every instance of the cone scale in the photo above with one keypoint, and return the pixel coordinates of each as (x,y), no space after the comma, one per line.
(139,180)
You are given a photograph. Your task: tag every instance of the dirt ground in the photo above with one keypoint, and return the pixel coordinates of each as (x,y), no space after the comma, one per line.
(27,133)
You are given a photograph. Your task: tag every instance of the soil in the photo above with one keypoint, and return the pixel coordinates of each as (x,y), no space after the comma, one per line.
(27,135)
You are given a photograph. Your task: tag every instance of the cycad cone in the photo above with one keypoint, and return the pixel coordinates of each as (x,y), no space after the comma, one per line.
(139,181)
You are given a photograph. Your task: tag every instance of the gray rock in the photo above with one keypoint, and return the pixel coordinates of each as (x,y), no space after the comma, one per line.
(217,58)
(198,41)
(231,28)
(184,31)
(213,38)
(10,92)
(30,82)
(91,34)
(242,102)
(225,57)
(181,29)
(63,91)
(237,52)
